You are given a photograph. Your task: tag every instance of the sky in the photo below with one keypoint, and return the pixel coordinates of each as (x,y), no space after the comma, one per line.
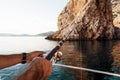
(29,16)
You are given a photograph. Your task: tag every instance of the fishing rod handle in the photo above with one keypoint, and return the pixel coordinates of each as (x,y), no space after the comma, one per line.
(54,50)
(51,54)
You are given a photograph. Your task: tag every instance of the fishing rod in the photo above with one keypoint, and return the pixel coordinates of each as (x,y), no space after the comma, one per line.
(57,47)
(60,43)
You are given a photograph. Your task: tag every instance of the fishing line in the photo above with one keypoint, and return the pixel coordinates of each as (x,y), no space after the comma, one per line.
(87,69)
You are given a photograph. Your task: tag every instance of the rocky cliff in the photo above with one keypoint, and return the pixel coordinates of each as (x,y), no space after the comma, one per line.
(116,12)
(89,20)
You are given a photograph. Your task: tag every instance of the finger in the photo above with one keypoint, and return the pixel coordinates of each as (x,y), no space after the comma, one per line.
(38,52)
(40,55)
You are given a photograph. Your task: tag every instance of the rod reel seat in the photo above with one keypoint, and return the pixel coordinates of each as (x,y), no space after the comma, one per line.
(57,57)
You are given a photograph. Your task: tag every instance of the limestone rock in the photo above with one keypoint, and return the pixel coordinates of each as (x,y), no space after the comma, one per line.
(89,20)
(116,12)
(116,8)
(116,21)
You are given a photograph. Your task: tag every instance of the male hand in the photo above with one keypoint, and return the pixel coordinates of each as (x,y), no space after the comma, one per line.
(39,64)
(38,69)
(44,67)
(32,55)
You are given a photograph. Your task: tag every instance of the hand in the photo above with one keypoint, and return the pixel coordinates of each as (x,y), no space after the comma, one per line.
(32,55)
(38,69)
(44,67)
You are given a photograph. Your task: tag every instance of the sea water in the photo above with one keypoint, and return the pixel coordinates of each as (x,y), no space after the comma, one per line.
(97,55)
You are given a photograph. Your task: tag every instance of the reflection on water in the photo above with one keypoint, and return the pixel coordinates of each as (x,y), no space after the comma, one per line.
(116,55)
(99,55)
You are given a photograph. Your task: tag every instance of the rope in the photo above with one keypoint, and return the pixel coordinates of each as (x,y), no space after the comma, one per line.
(86,69)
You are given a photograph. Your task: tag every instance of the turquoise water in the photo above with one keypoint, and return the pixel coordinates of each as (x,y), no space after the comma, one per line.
(98,55)
(11,72)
